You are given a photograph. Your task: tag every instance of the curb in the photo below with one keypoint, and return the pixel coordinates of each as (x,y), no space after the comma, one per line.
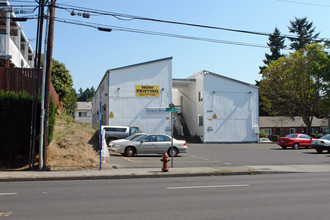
(142,176)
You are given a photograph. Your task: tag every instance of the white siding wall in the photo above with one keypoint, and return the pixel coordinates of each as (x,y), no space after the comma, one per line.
(236,108)
(128,109)
(101,95)
(200,100)
(87,119)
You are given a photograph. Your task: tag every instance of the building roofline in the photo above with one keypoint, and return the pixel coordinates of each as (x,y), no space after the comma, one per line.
(129,66)
(225,77)
(140,64)
(192,80)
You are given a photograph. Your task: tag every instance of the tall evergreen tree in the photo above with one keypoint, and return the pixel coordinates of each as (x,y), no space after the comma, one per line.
(276,44)
(304,31)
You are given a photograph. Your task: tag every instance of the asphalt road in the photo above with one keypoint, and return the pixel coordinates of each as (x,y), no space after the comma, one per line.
(215,155)
(285,196)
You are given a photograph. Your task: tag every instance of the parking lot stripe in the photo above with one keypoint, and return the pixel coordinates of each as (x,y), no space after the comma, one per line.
(124,157)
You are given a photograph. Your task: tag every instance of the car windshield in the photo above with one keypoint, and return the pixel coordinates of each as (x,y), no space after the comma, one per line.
(291,136)
(326,137)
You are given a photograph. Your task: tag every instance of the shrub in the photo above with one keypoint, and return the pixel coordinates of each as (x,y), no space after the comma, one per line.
(275,138)
(51,119)
(15,123)
(263,134)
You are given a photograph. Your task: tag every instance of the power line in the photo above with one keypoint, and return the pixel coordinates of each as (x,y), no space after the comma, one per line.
(128,17)
(304,3)
(133,17)
(139,31)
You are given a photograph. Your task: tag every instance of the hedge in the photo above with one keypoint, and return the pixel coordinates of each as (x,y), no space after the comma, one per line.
(15,124)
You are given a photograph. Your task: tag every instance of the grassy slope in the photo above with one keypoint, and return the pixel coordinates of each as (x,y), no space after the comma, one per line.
(74,146)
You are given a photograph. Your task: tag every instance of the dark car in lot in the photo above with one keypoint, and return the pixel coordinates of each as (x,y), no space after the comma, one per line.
(295,141)
(321,144)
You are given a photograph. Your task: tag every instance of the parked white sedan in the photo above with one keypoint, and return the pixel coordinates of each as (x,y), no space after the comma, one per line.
(321,144)
(149,144)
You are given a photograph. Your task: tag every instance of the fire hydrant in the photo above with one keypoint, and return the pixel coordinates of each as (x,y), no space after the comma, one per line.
(165,160)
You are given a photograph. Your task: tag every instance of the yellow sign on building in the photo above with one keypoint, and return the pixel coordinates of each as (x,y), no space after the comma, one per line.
(111,115)
(146,91)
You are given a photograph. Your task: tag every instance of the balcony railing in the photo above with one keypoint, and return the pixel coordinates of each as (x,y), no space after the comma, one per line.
(18,56)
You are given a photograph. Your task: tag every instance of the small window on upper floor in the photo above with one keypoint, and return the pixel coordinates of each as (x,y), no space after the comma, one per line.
(200,96)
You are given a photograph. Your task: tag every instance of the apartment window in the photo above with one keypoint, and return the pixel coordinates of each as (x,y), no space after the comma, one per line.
(200,120)
(292,130)
(82,114)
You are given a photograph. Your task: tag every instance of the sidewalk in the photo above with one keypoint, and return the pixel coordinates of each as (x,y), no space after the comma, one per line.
(126,173)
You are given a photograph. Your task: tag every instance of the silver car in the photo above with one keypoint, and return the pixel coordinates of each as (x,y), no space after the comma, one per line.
(149,144)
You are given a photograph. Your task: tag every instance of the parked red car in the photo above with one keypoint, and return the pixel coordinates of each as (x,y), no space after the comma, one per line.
(295,140)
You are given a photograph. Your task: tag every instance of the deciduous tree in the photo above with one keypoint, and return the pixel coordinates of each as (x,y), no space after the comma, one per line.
(62,82)
(295,85)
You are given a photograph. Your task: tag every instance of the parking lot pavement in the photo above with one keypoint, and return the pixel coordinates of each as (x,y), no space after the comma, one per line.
(145,161)
(215,155)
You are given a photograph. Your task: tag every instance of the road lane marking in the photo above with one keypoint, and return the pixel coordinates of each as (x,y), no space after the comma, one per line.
(5,214)
(202,187)
(6,194)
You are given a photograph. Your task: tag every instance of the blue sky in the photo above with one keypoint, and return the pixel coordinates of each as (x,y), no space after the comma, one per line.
(88,53)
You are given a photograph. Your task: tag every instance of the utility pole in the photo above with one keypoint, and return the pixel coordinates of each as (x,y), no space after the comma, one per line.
(36,84)
(49,58)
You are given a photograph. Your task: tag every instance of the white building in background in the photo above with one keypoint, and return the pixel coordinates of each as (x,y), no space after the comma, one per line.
(136,95)
(211,107)
(218,109)
(15,48)
(83,112)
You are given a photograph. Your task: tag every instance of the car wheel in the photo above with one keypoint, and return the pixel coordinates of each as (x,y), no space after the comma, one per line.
(328,151)
(295,146)
(283,147)
(319,151)
(174,152)
(129,152)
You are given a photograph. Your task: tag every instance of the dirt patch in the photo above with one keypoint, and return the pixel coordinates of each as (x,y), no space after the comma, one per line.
(74,146)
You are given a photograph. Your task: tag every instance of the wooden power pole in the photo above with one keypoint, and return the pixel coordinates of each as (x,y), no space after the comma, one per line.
(49,58)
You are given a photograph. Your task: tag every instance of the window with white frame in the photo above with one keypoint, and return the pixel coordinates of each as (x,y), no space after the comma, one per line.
(82,114)
(267,130)
(292,130)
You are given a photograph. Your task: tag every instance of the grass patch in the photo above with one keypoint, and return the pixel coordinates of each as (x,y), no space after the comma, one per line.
(252,172)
